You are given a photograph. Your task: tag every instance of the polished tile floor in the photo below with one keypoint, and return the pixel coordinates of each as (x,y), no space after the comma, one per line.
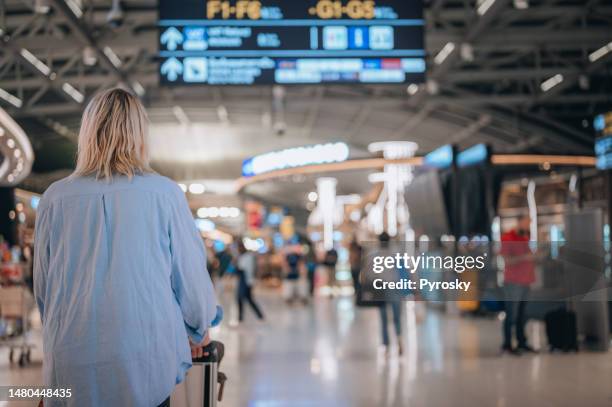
(327,354)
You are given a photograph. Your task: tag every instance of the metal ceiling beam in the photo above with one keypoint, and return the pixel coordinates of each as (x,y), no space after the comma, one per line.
(384,103)
(478,24)
(532,13)
(517,99)
(571,78)
(483,121)
(149,16)
(44,82)
(147,76)
(82,32)
(313,113)
(499,40)
(494,75)
(414,120)
(550,130)
(125,41)
(97,18)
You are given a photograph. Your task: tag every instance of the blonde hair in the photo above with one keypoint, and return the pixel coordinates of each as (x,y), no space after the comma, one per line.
(113,137)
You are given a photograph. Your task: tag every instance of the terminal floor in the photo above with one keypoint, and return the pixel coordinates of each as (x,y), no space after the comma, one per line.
(327,354)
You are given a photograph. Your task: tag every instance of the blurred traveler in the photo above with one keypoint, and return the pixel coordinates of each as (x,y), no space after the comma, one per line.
(329,261)
(355,255)
(27,259)
(294,287)
(247,266)
(119,269)
(519,274)
(311,267)
(391,302)
(224,258)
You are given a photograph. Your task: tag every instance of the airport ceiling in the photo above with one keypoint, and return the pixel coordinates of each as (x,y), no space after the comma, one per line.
(488,90)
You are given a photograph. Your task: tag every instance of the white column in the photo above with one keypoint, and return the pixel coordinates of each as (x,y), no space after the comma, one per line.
(326,189)
(396,177)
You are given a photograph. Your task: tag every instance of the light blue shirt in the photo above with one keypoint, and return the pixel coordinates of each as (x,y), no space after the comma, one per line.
(120,280)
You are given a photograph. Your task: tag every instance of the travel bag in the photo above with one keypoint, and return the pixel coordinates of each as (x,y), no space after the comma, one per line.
(203,384)
(561,330)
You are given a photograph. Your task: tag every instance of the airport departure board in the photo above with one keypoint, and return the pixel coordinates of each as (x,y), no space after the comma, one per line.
(242,42)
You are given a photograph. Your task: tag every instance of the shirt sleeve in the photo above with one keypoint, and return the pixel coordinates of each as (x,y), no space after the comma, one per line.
(191,282)
(41,258)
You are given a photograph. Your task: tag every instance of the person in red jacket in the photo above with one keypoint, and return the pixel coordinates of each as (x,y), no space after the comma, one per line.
(519,274)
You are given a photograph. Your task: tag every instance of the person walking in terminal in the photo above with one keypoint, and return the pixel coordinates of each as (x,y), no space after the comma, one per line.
(311,267)
(330,260)
(295,285)
(355,256)
(246,265)
(119,269)
(519,274)
(395,305)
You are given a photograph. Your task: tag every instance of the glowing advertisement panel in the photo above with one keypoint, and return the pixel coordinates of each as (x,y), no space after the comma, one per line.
(295,157)
(243,42)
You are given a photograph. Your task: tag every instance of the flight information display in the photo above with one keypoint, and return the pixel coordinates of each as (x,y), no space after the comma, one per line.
(241,42)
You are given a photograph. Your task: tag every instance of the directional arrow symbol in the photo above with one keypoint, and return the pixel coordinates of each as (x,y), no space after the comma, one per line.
(172,68)
(171,38)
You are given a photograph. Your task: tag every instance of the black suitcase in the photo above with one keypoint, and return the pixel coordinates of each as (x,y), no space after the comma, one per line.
(561,330)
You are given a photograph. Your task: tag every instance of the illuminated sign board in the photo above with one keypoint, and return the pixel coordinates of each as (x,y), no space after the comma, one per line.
(474,155)
(603,123)
(295,157)
(241,42)
(441,157)
(603,144)
(603,152)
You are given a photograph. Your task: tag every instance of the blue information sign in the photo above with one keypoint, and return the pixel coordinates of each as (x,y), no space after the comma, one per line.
(241,42)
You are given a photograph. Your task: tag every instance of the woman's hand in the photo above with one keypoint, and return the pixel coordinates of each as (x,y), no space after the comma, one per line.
(197,349)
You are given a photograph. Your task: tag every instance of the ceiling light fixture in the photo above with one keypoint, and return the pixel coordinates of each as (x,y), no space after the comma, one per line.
(223,114)
(218,212)
(181,116)
(444,53)
(73,92)
(37,63)
(432,86)
(138,88)
(196,189)
(467,52)
(13,100)
(521,4)
(412,89)
(599,53)
(41,6)
(551,82)
(115,60)
(89,56)
(76,9)
(484,6)
(115,14)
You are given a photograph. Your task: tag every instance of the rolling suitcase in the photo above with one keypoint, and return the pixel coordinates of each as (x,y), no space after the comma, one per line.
(203,384)
(561,330)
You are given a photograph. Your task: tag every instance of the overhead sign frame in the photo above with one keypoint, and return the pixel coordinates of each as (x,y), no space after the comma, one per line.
(244,42)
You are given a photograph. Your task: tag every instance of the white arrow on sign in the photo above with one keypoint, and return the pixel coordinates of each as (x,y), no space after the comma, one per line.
(171,38)
(172,68)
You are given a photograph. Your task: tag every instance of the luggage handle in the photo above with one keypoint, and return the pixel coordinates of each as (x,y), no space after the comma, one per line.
(215,351)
